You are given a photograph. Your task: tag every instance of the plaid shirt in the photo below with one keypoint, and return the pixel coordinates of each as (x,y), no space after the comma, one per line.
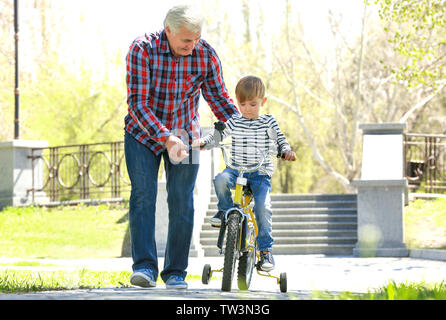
(163,93)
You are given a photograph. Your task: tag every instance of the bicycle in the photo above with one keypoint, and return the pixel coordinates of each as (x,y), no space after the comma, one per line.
(241,230)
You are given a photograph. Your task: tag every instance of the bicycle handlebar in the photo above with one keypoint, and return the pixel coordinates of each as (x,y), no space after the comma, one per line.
(218,134)
(244,169)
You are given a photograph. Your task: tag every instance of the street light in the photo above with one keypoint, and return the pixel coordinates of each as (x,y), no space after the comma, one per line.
(16,90)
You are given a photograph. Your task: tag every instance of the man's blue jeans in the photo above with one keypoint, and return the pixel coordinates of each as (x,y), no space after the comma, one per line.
(261,189)
(142,167)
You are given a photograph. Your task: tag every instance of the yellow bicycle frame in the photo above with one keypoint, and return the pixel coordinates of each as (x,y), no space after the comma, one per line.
(243,200)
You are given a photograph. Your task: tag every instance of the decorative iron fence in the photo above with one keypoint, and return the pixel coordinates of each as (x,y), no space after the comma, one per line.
(97,172)
(79,173)
(425,162)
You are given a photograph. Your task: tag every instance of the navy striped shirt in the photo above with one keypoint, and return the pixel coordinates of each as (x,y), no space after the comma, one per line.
(248,135)
(163,92)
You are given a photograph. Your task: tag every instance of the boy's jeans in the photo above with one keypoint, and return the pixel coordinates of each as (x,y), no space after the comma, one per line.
(142,166)
(261,188)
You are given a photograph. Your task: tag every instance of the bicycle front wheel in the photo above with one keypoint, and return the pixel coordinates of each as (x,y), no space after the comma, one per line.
(245,267)
(232,237)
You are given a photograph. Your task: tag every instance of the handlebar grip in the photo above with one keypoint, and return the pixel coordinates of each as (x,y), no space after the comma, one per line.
(282,155)
(220,126)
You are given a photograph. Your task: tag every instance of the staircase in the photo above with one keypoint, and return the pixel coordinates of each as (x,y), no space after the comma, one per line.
(302,224)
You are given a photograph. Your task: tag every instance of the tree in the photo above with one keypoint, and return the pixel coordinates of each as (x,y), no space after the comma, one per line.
(420,37)
(6,70)
(63,102)
(349,89)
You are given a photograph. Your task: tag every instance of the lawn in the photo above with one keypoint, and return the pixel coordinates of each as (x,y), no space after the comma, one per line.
(68,232)
(81,231)
(425,224)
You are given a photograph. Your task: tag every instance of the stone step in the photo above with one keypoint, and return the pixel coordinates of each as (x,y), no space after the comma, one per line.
(305,225)
(327,249)
(302,224)
(305,197)
(298,240)
(293,233)
(301,211)
(313,197)
(309,218)
(302,204)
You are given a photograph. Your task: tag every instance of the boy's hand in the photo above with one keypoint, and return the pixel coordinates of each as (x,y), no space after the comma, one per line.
(198,143)
(289,156)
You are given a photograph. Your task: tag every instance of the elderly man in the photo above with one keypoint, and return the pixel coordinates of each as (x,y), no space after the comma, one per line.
(166,71)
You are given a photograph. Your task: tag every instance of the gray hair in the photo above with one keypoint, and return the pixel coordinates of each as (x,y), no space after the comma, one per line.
(186,16)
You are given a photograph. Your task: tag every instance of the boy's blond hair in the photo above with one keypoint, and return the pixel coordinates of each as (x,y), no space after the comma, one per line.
(248,88)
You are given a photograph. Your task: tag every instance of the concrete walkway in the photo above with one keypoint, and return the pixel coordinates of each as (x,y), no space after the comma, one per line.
(305,274)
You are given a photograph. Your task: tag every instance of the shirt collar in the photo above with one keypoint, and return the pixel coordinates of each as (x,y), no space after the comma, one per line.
(164,43)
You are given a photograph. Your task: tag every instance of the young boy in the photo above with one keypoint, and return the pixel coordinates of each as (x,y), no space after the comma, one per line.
(249,131)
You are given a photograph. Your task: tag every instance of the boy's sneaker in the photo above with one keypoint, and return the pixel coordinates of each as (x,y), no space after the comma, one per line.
(266,261)
(216,220)
(176,282)
(143,278)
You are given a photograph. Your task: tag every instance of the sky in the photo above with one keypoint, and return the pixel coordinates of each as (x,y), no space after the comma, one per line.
(138,16)
(115,23)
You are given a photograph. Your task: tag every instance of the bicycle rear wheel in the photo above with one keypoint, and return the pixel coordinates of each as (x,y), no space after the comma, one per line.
(232,237)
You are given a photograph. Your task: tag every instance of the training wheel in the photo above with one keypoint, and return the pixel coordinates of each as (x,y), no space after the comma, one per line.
(206,276)
(283,282)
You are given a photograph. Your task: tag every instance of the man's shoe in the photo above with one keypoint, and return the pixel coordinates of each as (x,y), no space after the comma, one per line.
(143,278)
(176,282)
(216,220)
(266,261)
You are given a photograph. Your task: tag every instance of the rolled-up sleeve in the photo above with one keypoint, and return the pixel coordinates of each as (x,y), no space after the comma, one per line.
(215,92)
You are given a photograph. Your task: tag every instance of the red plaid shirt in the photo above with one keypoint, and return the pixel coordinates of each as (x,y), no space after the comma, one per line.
(163,93)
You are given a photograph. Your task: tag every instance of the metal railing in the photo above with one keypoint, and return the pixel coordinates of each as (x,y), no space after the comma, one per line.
(425,162)
(79,173)
(97,172)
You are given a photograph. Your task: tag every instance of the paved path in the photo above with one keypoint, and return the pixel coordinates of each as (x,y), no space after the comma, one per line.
(305,273)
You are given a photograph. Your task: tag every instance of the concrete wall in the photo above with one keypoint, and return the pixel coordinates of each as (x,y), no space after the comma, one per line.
(16,168)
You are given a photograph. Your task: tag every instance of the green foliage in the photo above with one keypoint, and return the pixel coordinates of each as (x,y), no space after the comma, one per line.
(64,102)
(417,30)
(392,291)
(63,107)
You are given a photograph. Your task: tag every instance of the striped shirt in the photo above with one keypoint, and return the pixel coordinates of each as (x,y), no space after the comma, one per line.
(248,135)
(163,92)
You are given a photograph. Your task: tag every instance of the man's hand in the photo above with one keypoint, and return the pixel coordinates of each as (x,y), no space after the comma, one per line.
(176,149)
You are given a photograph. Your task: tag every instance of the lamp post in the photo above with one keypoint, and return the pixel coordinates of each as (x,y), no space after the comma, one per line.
(16,90)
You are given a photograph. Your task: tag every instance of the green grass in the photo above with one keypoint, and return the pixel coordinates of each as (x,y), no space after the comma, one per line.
(28,264)
(64,232)
(99,231)
(393,291)
(425,224)
(19,281)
